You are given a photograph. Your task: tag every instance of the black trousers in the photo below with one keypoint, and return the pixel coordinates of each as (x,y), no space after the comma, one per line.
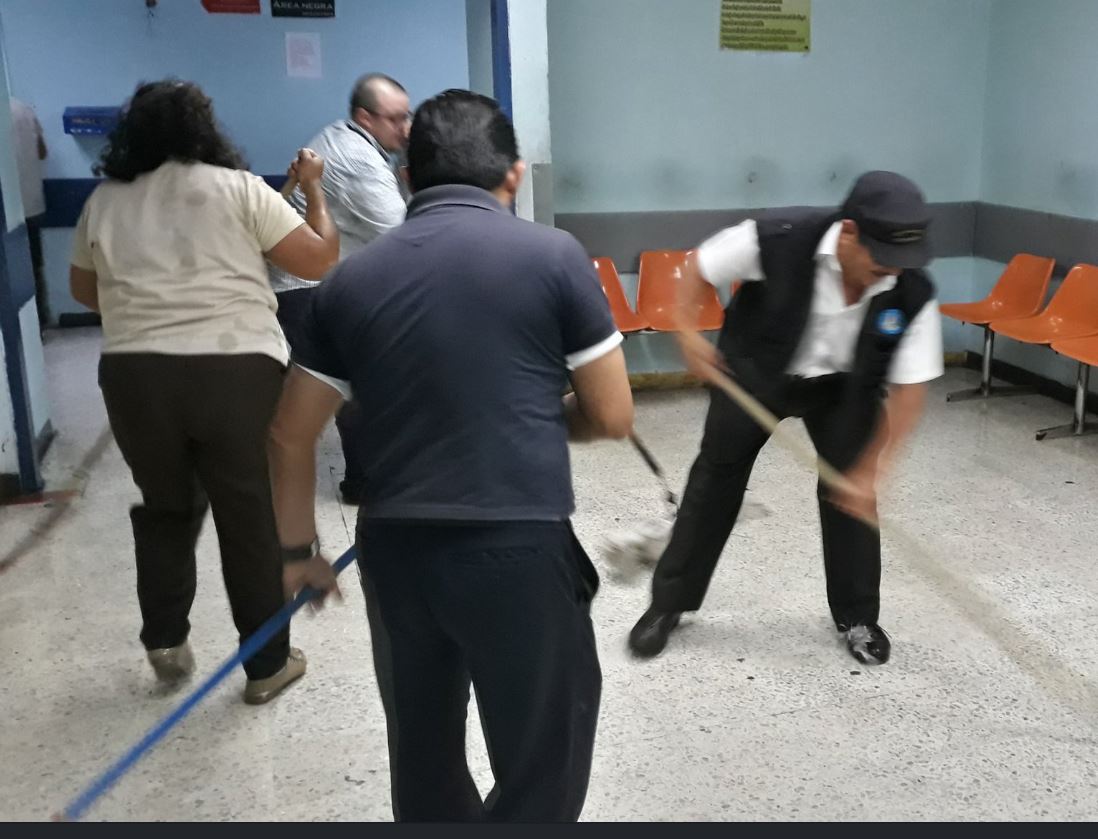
(347,424)
(41,290)
(194,430)
(840,428)
(505,607)
(294,307)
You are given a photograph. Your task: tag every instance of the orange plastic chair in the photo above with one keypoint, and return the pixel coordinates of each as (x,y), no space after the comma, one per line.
(1085,351)
(657,288)
(626,319)
(1071,313)
(1019,292)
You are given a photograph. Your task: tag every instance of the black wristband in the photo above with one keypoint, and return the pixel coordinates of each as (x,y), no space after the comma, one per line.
(302,553)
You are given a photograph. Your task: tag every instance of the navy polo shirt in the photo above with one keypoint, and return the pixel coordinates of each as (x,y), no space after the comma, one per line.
(455,332)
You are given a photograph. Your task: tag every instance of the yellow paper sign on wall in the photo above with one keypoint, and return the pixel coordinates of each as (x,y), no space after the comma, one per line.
(766,25)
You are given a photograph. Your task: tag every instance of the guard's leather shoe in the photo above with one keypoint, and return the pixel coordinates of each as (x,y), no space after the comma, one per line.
(651,632)
(868,643)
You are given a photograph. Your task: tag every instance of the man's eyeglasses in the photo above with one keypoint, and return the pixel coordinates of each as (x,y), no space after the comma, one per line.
(395,119)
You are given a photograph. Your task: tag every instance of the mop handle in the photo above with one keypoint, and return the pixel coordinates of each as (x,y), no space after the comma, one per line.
(831,477)
(657,470)
(1062,682)
(649,458)
(252,645)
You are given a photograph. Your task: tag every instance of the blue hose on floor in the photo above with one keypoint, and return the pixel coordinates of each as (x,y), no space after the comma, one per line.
(80,806)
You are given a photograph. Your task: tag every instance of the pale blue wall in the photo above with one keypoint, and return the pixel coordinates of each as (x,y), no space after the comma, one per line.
(974,99)
(33,360)
(648,113)
(13,210)
(93,52)
(1040,148)
(1041,143)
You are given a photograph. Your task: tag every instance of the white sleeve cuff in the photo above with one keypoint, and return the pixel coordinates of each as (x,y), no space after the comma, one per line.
(732,255)
(578,359)
(339,385)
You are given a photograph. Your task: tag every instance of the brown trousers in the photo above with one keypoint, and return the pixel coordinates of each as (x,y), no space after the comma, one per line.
(193,430)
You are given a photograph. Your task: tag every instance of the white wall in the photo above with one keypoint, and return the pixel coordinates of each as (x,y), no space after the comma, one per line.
(478,26)
(36,366)
(530,106)
(13,209)
(9,457)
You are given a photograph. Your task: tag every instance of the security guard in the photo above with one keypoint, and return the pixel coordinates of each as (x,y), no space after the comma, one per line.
(836,323)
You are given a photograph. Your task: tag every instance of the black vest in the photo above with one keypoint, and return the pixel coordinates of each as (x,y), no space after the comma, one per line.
(765,320)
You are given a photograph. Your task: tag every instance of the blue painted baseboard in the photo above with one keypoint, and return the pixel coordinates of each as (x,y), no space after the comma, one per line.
(65,198)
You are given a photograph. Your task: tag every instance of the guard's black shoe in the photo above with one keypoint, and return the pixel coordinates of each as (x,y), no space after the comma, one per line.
(867,642)
(651,632)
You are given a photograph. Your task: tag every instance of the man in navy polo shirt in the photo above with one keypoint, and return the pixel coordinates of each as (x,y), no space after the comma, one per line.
(463,327)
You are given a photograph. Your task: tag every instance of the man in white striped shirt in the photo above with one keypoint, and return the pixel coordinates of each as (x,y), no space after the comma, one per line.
(365,199)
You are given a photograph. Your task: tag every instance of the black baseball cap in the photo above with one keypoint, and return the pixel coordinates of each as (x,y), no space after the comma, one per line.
(892,218)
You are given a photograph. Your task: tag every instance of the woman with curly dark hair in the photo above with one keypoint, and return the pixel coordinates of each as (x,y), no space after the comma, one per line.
(171,248)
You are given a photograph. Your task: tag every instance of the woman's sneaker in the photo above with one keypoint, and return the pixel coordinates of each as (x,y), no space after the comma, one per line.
(172,663)
(259,691)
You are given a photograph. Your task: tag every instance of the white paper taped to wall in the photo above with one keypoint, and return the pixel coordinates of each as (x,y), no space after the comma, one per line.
(303,56)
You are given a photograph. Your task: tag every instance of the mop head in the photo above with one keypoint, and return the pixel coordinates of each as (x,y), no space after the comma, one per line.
(627,554)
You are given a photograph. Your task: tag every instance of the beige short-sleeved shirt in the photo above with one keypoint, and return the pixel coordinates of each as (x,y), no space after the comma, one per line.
(179,258)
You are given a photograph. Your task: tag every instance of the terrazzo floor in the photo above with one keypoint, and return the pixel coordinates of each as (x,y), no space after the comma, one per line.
(987,711)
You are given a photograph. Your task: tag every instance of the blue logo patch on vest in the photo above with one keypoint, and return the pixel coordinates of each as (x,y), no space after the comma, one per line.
(891,322)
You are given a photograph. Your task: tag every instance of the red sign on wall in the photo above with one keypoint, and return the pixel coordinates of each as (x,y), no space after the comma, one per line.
(233,7)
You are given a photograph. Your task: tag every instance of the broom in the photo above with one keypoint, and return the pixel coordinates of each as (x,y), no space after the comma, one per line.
(628,552)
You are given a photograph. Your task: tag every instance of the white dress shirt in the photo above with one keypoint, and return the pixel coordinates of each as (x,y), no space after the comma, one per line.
(364,195)
(831,336)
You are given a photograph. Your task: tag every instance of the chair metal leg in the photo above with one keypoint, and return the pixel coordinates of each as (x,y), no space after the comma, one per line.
(1079,425)
(985,390)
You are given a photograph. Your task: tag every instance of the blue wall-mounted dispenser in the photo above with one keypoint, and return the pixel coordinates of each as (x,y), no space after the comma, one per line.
(85,120)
